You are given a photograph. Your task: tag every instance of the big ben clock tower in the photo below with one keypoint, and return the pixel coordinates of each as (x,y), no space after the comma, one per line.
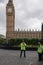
(10,19)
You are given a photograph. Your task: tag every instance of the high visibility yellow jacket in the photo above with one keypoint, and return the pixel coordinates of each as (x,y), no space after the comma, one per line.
(39,49)
(23,46)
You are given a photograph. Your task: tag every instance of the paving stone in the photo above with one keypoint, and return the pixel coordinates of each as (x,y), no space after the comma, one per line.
(12,57)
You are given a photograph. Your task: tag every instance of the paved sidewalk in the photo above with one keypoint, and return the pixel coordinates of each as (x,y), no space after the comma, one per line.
(11,57)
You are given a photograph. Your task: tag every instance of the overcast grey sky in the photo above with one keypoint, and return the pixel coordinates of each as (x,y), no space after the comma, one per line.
(28,14)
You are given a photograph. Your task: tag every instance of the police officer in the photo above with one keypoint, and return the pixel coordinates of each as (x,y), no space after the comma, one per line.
(23,48)
(39,51)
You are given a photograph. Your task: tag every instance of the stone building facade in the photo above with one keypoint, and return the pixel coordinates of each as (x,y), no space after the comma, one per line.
(10,25)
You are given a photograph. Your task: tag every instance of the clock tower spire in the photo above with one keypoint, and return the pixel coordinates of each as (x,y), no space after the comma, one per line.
(10,1)
(10,19)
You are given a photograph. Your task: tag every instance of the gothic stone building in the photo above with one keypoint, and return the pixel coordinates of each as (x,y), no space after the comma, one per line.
(10,25)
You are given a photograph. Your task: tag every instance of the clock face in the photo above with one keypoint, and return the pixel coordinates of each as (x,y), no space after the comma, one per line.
(10,10)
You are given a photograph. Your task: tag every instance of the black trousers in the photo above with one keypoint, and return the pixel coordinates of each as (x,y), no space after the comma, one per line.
(40,56)
(22,52)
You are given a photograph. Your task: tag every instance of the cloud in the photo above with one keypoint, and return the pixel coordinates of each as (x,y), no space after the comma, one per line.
(2,18)
(28,12)
(32,8)
(3,1)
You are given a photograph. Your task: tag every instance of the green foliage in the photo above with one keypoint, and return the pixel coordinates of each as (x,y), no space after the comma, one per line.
(16,42)
(11,42)
(1,41)
(2,36)
(27,41)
